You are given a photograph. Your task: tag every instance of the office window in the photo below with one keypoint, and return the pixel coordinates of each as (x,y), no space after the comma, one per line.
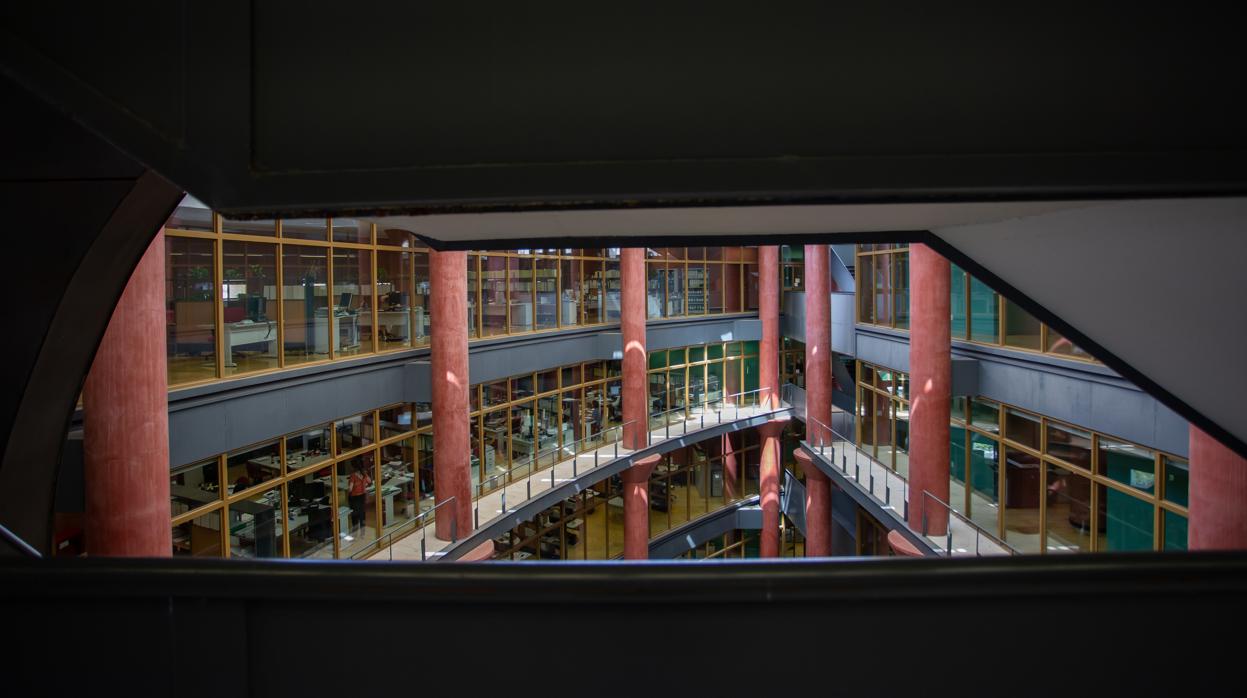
(199,537)
(494,295)
(308,447)
(400,495)
(354,432)
(397,321)
(396,420)
(351,230)
(249,297)
(304,228)
(256,527)
(959,327)
(305,303)
(253,466)
(1177,480)
(395,237)
(521,293)
(1126,521)
(352,330)
(356,480)
(309,501)
(1058,344)
(1068,515)
(191,214)
(194,486)
(265,228)
(190,306)
(546,285)
(474,296)
(1175,530)
(1022,330)
(1022,492)
(984,313)
(593,282)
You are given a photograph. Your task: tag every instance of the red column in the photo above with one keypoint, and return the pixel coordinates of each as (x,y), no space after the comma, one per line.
(1218,495)
(636,507)
(731,470)
(817,344)
(632,322)
(452,477)
(930,381)
(768,312)
(126,422)
(768,487)
(817,507)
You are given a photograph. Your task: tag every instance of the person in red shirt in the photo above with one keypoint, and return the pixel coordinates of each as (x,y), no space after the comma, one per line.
(358,486)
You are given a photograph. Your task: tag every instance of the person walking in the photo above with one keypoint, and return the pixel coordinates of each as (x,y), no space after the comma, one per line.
(358,488)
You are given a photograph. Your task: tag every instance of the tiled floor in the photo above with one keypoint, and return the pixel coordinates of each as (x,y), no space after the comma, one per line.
(490,505)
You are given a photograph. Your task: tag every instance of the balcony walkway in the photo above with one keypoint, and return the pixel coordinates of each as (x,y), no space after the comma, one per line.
(852,469)
(571,476)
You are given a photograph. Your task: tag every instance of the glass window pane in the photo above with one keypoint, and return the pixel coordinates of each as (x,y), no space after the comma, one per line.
(399,495)
(474,289)
(714,288)
(732,288)
(494,295)
(305,303)
(357,488)
(1058,344)
(984,313)
(191,214)
(593,279)
(394,296)
(304,228)
(612,294)
(1128,464)
(984,481)
(865,281)
(696,288)
(571,375)
(190,307)
(751,286)
(900,289)
(1021,328)
(351,230)
(193,486)
(675,290)
(267,228)
(1022,490)
(396,420)
(656,275)
(1069,444)
(256,526)
(352,297)
(521,296)
(1068,517)
(396,237)
(310,507)
(251,466)
(249,294)
(522,386)
(547,381)
(957,302)
(1022,427)
(985,414)
(1177,480)
(547,287)
(1175,531)
(570,295)
(1125,521)
(354,432)
(495,393)
(307,447)
(199,537)
(883,288)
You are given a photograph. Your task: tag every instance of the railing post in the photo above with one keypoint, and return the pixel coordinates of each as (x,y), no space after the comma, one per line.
(504,501)
(595,456)
(595,453)
(529,484)
(574,475)
(423,537)
(887,491)
(949,546)
(476,516)
(872,481)
(924,517)
(857,472)
(703,420)
(454,530)
(551,477)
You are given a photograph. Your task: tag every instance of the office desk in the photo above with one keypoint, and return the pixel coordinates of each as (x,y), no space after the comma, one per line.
(396,323)
(248,332)
(347,328)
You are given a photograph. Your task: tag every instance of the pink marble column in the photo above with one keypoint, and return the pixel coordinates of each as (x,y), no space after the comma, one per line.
(1218,495)
(126,422)
(768,487)
(632,321)
(731,470)
(930,386)
(817,506)
(452,476)
(817,345)
(768,313)
(636,507)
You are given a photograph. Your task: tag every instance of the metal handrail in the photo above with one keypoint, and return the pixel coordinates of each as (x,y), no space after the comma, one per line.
(979,531)
(528,495)
(15,541)
(389,537)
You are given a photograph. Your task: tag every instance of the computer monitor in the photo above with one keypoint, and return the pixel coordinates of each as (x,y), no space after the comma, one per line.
(345,300)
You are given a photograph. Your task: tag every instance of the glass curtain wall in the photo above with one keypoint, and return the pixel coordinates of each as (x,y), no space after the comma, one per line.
(330,490)
(979,314)
(696,281)
(1041,484)
(690,378)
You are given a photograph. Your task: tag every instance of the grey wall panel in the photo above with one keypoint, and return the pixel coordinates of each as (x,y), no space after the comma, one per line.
(203,423)
(843,337)
(883,349)
(792,322)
